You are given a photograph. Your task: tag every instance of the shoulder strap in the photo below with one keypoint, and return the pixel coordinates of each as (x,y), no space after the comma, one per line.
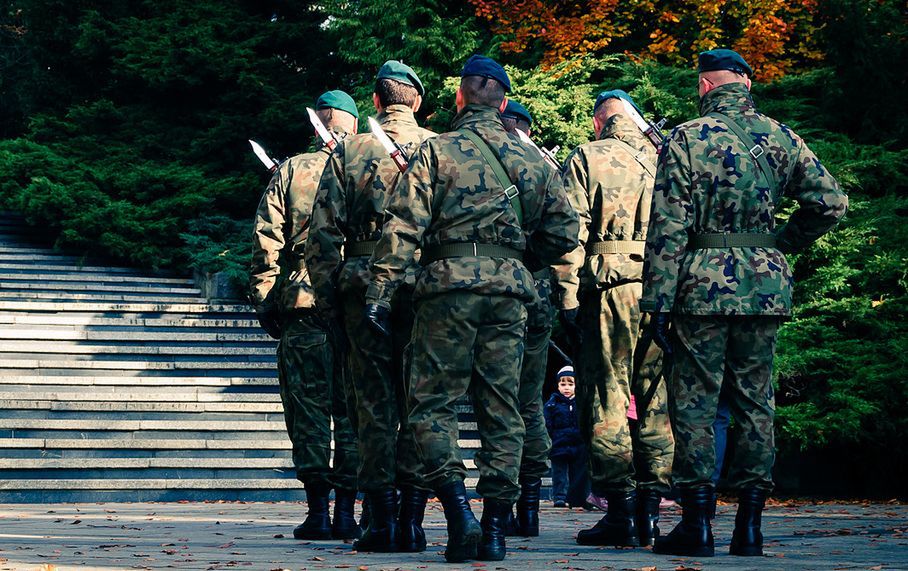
(640,157)
(757,152)
(510,189)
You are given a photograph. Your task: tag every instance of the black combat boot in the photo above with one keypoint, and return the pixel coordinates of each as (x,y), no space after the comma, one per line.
(693,537)
(648,516)
(494,528)
(464,532)
(381,535)
(344,525)
(409,522)
(527,524)
(318,520)
(747,538)
(618,528)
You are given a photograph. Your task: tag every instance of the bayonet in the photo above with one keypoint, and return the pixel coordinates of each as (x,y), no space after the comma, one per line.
(653,132)
(270,164)
(546,154)
(320,129)
(393,149)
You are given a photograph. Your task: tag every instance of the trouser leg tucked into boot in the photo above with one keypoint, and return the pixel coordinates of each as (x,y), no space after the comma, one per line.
(365,516)
(381,535)
(412,511)
(494,528)
(619,525)
(318,520)
(747,538)
(527,524)
(464,532)
(344,525)
(648,516)
(693,536)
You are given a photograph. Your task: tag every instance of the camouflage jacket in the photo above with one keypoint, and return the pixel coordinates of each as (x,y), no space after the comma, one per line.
(611,190)
(279,279)
(450,194)
(349,204)
(707,182)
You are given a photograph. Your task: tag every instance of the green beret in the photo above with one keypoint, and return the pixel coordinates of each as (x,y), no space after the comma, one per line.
(393,69)
(720,59)
(486,67)
(339,100)
(517,111)
(614,94)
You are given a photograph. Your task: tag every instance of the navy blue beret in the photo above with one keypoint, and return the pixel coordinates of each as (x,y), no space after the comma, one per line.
(486,67)
(614,94)
(720,59)
(517,111)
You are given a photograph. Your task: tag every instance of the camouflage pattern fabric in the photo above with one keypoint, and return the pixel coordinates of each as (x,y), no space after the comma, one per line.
(707,182)
(611,191)
(449,194)
(349,208)
(468,343)
(732,354)
(622,460)
(311,381)
(536,444)
(470,310)
(311,398)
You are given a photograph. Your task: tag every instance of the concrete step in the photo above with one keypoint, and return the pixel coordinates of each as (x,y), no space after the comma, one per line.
(135,307)
(97,320)
(49,259)
(136,407)
(61,366)
(191,395)
(155,484)
(146,425)
(93,278)
(19,267)
(96,297)
(146,443)
(90,334)
(116,383)
(23,249)
(279,463)
(85,287)
(78,348)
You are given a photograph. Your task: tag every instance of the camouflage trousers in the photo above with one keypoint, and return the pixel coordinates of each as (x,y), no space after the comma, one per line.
(622,459)
(387,448)
(313,394)
(731,354)
(468,343)
(536,444)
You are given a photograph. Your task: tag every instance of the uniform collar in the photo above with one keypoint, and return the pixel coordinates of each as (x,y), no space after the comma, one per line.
(734,97)
(620,126)
(396,113)
(475,114)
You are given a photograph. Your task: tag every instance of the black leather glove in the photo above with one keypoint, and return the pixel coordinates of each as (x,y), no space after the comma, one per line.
(568,319)
(660,324)
(268,319)
(379,318)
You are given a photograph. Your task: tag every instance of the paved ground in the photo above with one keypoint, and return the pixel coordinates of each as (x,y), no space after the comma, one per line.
(257,536)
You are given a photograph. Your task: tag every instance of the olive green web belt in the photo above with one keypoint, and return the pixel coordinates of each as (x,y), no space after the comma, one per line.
(743,240)
(359,249)
(615,247)
(461,249)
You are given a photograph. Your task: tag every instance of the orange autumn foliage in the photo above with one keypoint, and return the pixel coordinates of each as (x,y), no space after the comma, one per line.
(775,36)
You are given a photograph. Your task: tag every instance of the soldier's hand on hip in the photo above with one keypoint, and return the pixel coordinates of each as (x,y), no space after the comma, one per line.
(568,319)
(378,318)
(660,324)
(269,321)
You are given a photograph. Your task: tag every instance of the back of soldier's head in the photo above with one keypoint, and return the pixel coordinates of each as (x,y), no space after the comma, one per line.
(392,92)
(481,91)
(608,108)
(337,110)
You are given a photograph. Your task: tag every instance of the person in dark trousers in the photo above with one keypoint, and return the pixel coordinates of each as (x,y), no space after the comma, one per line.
(570,481)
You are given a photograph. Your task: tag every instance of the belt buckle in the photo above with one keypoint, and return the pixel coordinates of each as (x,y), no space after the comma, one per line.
(756,151)
(508,192)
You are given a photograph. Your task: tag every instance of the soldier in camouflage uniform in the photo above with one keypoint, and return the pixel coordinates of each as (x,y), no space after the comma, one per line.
(348,213)
(609,181)
(536,444)
(310,374)
(474,229)
(716,270)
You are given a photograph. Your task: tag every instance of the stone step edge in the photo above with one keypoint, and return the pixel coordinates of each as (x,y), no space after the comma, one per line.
(83,306)
(274,407)
(153,484)
(136,381)
(164,444)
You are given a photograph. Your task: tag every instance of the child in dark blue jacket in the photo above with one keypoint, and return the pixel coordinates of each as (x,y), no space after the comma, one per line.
(568,454)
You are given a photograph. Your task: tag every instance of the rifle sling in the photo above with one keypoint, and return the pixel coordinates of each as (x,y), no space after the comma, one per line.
(510,189)
(756,151)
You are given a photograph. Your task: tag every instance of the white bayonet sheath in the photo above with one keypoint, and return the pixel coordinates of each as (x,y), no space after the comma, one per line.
(645,127)
(545,153)
(269,163)
(396,154)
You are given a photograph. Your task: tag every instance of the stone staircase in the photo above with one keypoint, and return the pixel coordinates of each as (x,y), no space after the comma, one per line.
(124,385)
